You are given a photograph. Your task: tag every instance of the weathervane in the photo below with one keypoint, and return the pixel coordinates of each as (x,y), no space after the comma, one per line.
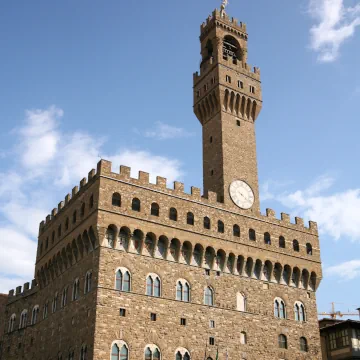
(223,6)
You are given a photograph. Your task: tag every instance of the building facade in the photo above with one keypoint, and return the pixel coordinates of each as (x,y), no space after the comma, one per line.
(340,339)
(128,269)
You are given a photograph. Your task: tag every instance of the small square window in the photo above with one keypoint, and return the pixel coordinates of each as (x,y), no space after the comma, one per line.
(240,84)
(212,324)
(183,321)
(213,80)
(122,312)
(238,122)
(252,89)
(198,93)
(308,295)
(218,273)
(207,272)
(228,79)
(153,317)
(211,341)
(205,87)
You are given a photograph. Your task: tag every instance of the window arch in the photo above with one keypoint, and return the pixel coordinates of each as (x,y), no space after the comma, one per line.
(152,352)
(67,224)
(116,200)
(46,310)
(190,219)
(23,319)
(243,338)
(309,250)
(136,205)
(83,352)
(303,344)
(71,355)
(267,238)
(64,297)
(123,280)
(54,303)
(282,341)
(153,285)
(155,209)
(207,223)
(88,282)
(299,309)
(221,227)
(111,236)
(252,235)
(74,217)
(282,242)
(119,351)
(279,308)
(12,323)
(182,354)
(82,210)
(296,246)
(240,302)
(182,290)
(173,215)
(209,296)
(236,230)
(76,290)
(35,314)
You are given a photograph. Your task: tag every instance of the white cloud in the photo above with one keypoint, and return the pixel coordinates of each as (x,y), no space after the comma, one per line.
(346,271)
(47,162)
(336,214)
(162,131)
(335,24)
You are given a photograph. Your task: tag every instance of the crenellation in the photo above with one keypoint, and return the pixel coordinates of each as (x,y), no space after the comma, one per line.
(18,290)
(26,286)
(54,212)
(313,226)
(125,172)
(91,175)
(270,213)
(161,182)
(179,187)
(196,193)
(83,183)
(67,199)
(48,219)
(212,197)
(104,167)
(299,221)
(285,218)
(74,191)
(11,293)
(144,177)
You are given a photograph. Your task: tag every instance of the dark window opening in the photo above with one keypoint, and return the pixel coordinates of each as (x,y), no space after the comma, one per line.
(153,317)
(155,209)
(221,227)
(122,312)
(252,235)
(136,205)
(116,200)
(190,220)
(207,223)
(183,321)
(173,215)
(236,230)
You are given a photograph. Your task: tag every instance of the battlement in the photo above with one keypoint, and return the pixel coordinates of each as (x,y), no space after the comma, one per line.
(24,290)
(245,68)
(224,19)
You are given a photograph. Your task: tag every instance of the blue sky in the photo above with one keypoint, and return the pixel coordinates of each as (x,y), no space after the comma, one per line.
(84,79)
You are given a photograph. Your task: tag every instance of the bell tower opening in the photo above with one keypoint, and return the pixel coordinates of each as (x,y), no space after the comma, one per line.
(231,49)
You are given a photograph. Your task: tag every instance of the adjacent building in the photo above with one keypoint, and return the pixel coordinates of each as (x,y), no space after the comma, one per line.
(130,269)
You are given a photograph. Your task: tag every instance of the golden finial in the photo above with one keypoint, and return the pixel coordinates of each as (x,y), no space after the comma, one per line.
(224,4)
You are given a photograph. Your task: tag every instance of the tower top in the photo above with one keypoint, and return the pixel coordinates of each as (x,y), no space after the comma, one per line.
(223,6)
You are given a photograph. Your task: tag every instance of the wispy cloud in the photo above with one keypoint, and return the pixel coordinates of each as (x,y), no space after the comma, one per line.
(336,213)
(335,23)
(346,271)
(47,161)
(162,131)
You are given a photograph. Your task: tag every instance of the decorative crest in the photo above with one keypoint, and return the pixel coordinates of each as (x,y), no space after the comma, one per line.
(223,6)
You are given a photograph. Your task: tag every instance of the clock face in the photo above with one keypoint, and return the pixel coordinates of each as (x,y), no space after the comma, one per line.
(241,194)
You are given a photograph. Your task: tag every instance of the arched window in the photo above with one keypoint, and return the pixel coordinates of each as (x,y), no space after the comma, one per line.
(91,202)
(111,237)
(152,352)
(153,285)
(54,303)
(296,246)
(282,341)
(35,314)
(83,352)
(64,297)
(173,214)
(116,200)
(309,250)
(71,355)
(231,48)
(76,290)
(221,227)
(53,237)
(282,242)
(46,310)
(155,209)
(243,339)
(123,279)
(279,308)
(267,238)
(136,205)
(12,323)
(209,296)
(67,224)
(119,351)
(207,223)
(236,230)
(182,354)
(190,219)
(83,210)
(303,344)
(88,282)
(240,302)
(74,217)
(182,290)
(59,230)
(252,235)
(299,310)
(23,319)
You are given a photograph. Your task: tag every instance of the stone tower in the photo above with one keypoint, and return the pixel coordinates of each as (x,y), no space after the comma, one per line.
(128,269)
(227,101)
